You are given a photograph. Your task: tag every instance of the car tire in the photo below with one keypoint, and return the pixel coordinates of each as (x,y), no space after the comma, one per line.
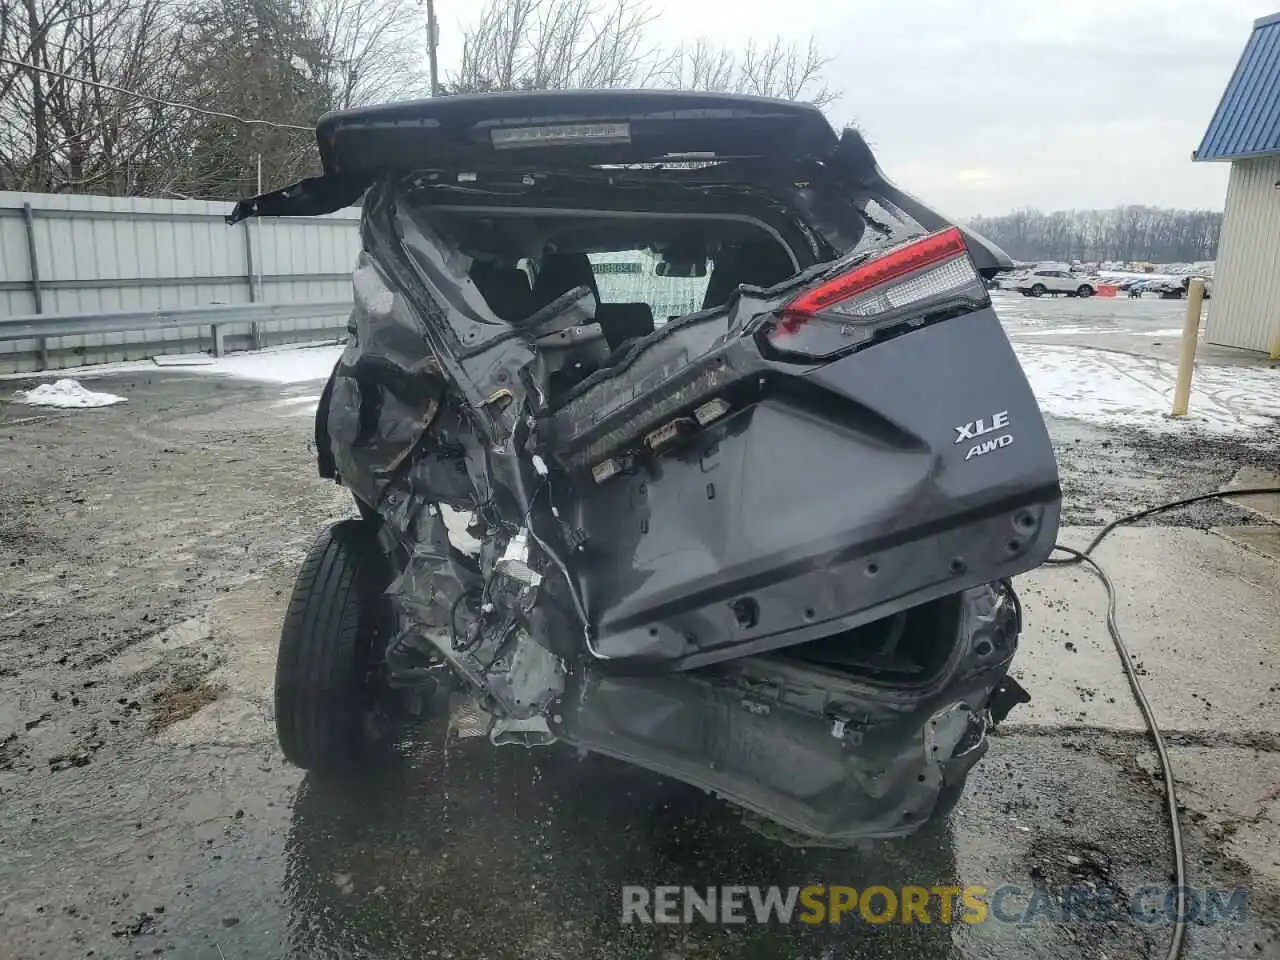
(936,822)
(948,798)
(1084,290)
(1038,290)
(327,665)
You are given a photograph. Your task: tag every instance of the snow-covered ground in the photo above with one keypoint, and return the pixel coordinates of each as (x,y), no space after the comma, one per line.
(286,365)
(1112,362)
(296,363)
(1121,389)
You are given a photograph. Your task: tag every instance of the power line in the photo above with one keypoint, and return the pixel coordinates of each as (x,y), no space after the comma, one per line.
(143,96)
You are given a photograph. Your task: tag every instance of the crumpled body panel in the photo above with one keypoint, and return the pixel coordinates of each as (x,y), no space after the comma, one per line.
(385,389)
(831,759)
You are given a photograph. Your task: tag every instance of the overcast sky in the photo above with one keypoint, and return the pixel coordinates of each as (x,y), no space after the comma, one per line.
(982,106)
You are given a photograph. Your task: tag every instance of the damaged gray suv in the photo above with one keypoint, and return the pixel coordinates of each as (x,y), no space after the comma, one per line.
(744,458)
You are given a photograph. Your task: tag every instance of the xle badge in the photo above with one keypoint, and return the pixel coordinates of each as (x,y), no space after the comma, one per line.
(980,428)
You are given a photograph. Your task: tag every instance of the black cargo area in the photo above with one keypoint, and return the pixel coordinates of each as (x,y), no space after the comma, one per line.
(906,649)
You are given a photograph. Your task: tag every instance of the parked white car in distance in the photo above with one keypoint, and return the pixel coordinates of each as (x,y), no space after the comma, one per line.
(1037,283)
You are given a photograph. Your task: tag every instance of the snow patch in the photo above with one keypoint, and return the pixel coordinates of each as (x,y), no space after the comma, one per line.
(67,394)
(182,360)
(294,401)
(1120,389)
(294,363)
(291,365)
(1063,332)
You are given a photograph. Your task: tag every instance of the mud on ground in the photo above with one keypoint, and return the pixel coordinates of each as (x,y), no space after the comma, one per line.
(1109,473)
(116,525)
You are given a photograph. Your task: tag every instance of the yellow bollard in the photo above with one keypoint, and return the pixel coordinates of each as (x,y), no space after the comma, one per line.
(1190,340)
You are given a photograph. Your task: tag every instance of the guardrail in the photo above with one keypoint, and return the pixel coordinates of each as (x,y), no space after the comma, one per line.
(222,320)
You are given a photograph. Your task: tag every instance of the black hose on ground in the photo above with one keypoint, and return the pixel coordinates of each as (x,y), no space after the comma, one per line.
(1075,556)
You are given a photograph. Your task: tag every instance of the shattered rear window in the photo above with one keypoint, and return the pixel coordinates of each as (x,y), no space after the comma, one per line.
(887,226)
(631,276)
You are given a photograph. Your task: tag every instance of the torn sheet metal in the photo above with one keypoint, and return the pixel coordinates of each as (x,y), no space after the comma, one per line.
(385,389)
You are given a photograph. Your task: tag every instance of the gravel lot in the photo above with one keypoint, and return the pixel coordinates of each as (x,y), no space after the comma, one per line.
(148,549)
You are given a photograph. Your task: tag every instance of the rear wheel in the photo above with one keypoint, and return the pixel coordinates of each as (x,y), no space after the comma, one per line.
(1038,290)
(1084,290)
(948,799)
(329,678)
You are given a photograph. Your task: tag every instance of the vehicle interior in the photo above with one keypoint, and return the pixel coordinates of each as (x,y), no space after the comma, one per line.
(554,257)
(639,271)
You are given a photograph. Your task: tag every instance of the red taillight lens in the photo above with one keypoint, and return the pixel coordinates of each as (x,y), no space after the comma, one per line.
(915,274)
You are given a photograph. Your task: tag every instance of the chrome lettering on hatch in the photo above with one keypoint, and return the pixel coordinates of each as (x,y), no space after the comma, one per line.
(986,446)
(983,425)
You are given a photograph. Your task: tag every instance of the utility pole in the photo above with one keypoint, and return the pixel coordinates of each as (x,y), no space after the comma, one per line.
(433,42)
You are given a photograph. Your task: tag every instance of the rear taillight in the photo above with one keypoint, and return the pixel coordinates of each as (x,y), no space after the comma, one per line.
(905,285)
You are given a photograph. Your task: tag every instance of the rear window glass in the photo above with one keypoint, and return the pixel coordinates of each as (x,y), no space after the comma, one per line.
(631,276)
(887,226)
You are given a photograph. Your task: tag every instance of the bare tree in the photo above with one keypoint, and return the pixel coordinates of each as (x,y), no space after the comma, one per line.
(702,65)
(90,101)
(70,120)
(559,44)
(59,134)
(774,69)
(372,49)
(1123,233)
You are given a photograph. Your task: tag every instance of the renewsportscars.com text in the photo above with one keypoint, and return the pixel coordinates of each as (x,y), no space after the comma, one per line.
(943,904)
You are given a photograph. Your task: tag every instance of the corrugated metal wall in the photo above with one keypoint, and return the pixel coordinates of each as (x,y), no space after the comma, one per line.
(1245,308)
(99,254)
(123,253)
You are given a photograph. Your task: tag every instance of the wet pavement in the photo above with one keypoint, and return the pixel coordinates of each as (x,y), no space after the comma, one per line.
(216,851)
(148,551)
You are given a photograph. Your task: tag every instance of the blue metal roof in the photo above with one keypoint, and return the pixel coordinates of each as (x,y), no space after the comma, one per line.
(1247,121)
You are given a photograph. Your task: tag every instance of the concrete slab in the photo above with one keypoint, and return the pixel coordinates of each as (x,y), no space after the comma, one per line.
(1266,505)
(1263,539)
(1197,613)
(1233,794)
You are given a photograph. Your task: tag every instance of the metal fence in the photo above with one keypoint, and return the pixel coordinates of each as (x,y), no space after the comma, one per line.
(81,255)
(99,279)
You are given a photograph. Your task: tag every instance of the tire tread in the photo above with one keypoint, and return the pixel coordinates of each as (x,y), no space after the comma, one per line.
(318,711)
